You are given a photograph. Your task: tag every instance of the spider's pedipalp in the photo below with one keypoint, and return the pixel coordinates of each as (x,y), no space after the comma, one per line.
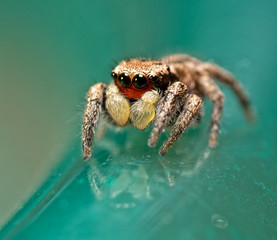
(211,90)
(191,108)
(227,78)
(91,116)
(117,105)
(174,95)
(143,110)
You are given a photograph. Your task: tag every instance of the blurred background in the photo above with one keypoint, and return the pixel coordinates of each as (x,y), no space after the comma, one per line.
(52,51)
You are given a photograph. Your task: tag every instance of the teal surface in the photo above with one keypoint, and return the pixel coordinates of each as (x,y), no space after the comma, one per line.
(128,191)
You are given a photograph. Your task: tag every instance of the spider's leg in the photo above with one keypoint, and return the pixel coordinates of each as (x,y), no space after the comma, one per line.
(211,90)
(166,108)
(227,78)
(91,116)
(191,108)
(179,58)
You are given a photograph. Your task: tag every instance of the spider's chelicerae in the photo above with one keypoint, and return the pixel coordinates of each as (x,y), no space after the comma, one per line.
(167,92)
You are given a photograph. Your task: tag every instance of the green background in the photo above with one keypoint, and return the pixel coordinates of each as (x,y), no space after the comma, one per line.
(52,51)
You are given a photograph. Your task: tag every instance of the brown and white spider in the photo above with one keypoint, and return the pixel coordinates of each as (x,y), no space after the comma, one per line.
(168,92)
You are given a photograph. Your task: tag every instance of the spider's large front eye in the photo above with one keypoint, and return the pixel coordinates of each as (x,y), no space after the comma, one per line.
(124,80)
(140,81)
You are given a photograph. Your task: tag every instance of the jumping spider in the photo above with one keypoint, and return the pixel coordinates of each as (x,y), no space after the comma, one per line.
(168,92)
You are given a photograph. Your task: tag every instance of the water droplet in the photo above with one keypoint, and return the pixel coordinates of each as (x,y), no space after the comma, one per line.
(81,181)
(219,221)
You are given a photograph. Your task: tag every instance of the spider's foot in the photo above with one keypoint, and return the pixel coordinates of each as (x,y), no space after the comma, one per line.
(152,141)
(250,114)
(86,157)
(212,143)
(164,150)
(213,138)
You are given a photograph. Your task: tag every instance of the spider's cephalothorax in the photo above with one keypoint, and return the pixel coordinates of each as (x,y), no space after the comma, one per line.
(168,92)
(135,77)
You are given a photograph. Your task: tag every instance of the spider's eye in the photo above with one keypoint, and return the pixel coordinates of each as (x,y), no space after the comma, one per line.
(139,81)
(114,75)
(124,80)
(153,78)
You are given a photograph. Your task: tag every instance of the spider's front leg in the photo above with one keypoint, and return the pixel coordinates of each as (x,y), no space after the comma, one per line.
(167,108)
(116,106)
(191,109)
(94,103)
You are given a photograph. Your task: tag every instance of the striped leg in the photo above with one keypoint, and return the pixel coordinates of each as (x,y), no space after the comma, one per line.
(91,116)
(210,89)
(227,78)
(174,95)
(191,108)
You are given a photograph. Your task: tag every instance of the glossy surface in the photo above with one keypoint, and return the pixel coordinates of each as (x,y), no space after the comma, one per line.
(128,191)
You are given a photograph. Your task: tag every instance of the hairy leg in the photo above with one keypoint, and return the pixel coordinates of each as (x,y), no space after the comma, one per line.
(211,90)
(91,116)
(227,78)
(173,98)
(179,58)
(191,108)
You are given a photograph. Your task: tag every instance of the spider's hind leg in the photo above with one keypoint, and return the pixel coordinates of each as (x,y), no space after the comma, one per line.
(227,78)
(191,109)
